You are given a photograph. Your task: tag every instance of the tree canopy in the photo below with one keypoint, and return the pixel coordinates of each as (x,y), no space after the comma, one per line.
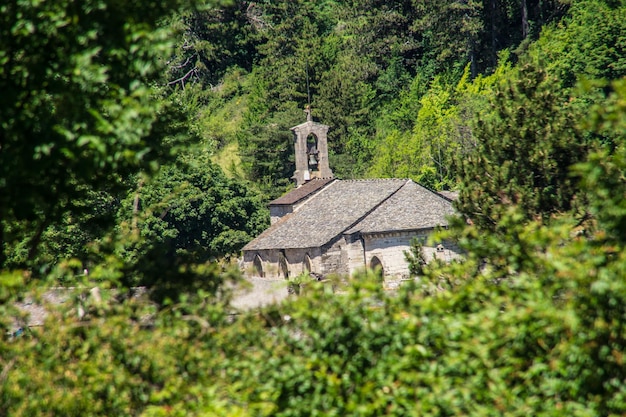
(79,112)
(117,117)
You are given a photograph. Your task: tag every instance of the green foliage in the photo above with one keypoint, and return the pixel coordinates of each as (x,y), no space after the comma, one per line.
(354,61)
(523,153)
(525,147)
(77,103)
(122,357)
(530,323)
(346,99)
(589,43)
(542,338)
(449,33)
(267,150)
(603,173)
(441,132)
(220,121)
(292,33)
(190,212)
(212,41)
(416,258)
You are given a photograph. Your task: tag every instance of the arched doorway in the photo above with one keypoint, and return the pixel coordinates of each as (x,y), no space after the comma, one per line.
(282,264)
(306,265)
(377,266)
(257,264)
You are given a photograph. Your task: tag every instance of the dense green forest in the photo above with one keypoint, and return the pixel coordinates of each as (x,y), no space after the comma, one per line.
(140,142)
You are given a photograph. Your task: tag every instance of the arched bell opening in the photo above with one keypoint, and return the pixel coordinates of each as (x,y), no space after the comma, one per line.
(312,152)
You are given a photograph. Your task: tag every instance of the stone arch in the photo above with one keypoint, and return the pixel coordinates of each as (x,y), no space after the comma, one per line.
(307,264)
(312,152)
(318,134)
(257,264)
(283,266)
(376,265)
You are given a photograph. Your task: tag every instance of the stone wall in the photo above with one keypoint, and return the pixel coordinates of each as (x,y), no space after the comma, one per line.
(390,249)
(354,253)
(334,259)
(283,264)
(277,212)
(348,254)
(297,259)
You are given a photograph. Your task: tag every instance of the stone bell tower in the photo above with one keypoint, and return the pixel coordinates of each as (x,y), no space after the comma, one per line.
(311,148)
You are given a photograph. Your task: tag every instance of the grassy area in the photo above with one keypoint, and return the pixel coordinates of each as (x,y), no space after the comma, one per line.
(228,159)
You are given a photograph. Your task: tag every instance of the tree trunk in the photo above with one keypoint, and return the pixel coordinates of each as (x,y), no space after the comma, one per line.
(3,257)
(525,27)
(494,36)
(136,207)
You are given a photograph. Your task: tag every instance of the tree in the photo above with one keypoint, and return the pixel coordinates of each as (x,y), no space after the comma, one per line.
(602,173)
(188,214)
(526,148)
(70,237)
(589,43)
(213,40)
(291,51)
(266,145)
(515,25)
(524,152)
(78,111)
(440,135)
(449,34)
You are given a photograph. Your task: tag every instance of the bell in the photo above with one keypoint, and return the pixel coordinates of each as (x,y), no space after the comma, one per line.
(312,159)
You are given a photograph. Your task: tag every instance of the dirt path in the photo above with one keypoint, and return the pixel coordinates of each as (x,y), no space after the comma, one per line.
(262,292)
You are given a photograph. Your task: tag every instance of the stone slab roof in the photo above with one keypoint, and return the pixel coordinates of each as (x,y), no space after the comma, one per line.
(336,208)
(412,207)
(302,192)
(450,195)
(350,206)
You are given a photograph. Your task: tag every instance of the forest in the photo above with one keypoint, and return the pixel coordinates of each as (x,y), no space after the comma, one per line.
(140,143)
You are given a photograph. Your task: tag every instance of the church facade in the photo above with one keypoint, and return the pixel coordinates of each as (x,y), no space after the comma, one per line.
(330,226)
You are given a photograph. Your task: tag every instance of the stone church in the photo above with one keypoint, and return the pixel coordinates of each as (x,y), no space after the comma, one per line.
(332,226)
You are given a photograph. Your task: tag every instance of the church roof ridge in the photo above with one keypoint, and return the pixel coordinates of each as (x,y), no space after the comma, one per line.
(308,123)
(302,192)
(342,203)
(374,179)
(412,207)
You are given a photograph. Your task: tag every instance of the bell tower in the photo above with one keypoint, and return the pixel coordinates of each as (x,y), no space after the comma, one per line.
(311,148)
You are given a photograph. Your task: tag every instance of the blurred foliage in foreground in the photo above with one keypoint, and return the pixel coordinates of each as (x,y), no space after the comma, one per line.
(531,323)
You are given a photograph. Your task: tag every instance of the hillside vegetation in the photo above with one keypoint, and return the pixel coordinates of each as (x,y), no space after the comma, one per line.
(141,141)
